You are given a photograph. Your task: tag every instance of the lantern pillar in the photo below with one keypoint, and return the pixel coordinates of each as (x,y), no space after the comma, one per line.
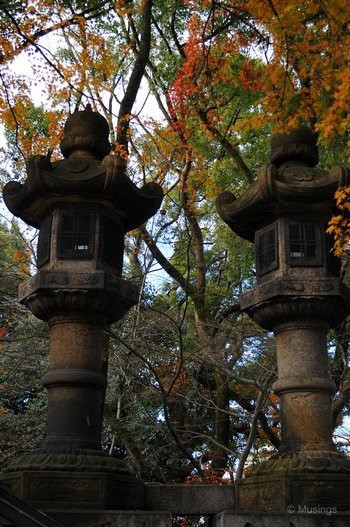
(82,205)
(299,297)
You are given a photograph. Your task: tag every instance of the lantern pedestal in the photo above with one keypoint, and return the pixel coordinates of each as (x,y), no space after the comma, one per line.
(80,481)
(70,467)
(301,481)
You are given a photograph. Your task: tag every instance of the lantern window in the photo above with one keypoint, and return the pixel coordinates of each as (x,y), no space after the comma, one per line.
(75,235)
(266,249)
(304,244)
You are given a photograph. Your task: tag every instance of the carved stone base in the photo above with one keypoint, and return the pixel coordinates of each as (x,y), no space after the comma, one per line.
(314,462)
(79,479)
(68,460)
(296,482)
(76,490)
(277,493)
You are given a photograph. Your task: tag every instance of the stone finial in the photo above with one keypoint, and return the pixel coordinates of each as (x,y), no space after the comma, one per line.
(300,144)
(86,130)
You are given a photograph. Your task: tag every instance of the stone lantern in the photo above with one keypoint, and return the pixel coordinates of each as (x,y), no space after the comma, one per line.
(82,205)
(298,296)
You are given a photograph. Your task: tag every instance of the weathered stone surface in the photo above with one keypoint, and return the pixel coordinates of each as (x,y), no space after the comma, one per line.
(331,309)
(324,298)
(49,293)
(312,462)
(83,206)
(289,184)
(80,489)
(112,518)
(276,492)
(189,499)
(70,460)
(49,183)
(76,382)
(309,518)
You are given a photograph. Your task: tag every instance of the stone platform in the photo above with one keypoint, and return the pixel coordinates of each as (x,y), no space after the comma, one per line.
(163,502)
(296,481)
(76,490)
(112,518)
(224,519)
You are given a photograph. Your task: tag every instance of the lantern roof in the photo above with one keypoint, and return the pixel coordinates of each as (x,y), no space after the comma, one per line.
(290,184)
(87,174)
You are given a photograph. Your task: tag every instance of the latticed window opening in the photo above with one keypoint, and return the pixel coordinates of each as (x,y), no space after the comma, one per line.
(111,231)
(75,235)
(266,250)
(304,244)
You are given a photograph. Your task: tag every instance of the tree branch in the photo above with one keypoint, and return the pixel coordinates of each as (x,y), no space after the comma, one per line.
(251,437)
(165,264)
(134,83)
(29,40)
(228,147)
(196,235)
(165,394)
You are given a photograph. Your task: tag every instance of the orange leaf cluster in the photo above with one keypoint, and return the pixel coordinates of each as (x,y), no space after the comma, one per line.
(303,73)
(172,376)
(339,225)
(3,331)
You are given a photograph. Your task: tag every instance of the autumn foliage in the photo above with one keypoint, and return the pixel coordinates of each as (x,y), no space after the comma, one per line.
(339,225)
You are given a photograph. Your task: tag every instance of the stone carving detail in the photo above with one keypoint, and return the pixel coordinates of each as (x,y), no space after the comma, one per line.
(45,305)
(269,313)
(69,461)
(311,463)
(249,495)
(318,492)
(64,489)
(55,279)
(86,278)
(270,495)
(76,165)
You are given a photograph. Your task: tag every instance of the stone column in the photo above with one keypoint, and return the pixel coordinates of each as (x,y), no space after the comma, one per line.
(70,468)
(309,471)
(75,382)
(304,386)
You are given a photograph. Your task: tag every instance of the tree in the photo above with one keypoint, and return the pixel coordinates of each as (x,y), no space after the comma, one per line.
(22,400)
(185,364)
